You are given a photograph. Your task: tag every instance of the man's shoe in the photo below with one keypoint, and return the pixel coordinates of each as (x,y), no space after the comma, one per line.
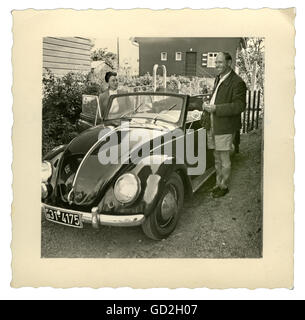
(220,193)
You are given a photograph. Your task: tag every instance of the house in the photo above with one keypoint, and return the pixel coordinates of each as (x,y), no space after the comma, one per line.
(63,55)
(184,56)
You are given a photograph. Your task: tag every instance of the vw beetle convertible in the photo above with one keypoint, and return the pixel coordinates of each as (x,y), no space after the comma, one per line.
(133,168)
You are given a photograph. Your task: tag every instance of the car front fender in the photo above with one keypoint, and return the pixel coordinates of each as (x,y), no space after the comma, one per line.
(153,174)
(54,152)
(159,172)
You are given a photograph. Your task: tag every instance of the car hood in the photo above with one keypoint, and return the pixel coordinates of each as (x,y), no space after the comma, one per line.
(81,173)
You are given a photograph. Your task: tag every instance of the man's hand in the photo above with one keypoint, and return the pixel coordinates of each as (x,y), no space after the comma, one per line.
(210,108)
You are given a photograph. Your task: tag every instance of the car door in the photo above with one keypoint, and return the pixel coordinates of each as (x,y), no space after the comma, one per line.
(195,145)
(90,115)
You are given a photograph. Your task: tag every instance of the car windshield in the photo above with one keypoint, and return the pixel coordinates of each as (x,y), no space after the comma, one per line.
(156,107)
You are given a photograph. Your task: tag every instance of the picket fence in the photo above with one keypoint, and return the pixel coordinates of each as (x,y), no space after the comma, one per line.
(252,116)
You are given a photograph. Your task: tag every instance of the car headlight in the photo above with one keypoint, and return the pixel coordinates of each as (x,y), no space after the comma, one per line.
(44,191)
(46,171)
(127,188)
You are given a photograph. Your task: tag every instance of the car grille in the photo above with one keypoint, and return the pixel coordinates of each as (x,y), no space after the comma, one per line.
(67,173)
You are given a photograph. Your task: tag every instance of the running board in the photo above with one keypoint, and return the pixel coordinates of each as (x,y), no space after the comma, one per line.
(199,181)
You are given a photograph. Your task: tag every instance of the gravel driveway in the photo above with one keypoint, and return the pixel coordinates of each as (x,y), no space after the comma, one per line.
(230,227)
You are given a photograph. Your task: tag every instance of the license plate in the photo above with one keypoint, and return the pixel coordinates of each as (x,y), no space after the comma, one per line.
(63,217)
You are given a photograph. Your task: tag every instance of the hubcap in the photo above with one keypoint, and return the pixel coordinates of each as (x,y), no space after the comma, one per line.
(169,205)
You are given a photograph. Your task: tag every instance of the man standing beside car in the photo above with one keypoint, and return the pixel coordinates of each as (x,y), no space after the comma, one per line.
(227,103)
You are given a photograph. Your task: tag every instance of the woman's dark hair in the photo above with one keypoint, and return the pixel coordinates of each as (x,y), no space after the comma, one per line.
(109,74)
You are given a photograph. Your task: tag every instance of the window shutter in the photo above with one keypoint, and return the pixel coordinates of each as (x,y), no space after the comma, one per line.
(204,62)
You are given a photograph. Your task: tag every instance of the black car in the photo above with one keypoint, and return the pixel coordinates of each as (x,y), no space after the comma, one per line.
(134,168)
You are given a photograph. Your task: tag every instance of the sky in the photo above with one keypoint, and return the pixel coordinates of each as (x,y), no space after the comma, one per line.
(129,53)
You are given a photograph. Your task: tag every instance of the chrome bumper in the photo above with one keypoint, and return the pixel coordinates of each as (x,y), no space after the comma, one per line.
(96,219)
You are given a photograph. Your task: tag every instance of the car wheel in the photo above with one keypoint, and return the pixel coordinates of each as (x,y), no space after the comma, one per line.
(163,220)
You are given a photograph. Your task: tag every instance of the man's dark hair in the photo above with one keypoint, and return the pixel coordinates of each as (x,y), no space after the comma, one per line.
(227,56)
(109,74)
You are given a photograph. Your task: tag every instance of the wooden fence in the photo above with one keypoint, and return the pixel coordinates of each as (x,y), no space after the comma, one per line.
(251,116)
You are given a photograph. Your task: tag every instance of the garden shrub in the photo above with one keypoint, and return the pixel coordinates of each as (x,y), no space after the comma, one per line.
(62,101)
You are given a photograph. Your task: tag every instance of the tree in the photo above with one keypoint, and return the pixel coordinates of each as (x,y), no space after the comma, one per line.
(251,62)
(102,54)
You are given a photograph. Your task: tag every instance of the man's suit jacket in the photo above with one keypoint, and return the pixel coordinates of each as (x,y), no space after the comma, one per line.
(104,99)
(230,102)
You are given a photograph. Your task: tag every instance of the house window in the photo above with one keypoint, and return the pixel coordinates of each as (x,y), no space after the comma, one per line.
(212,59)
(178,56)
(163,56)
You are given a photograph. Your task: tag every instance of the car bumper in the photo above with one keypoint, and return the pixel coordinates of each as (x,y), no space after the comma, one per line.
(96,219)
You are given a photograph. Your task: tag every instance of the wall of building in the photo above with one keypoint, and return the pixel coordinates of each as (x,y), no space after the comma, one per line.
(150,53)
(62,55)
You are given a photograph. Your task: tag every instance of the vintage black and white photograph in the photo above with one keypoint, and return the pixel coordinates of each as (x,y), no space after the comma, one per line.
(152,147)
